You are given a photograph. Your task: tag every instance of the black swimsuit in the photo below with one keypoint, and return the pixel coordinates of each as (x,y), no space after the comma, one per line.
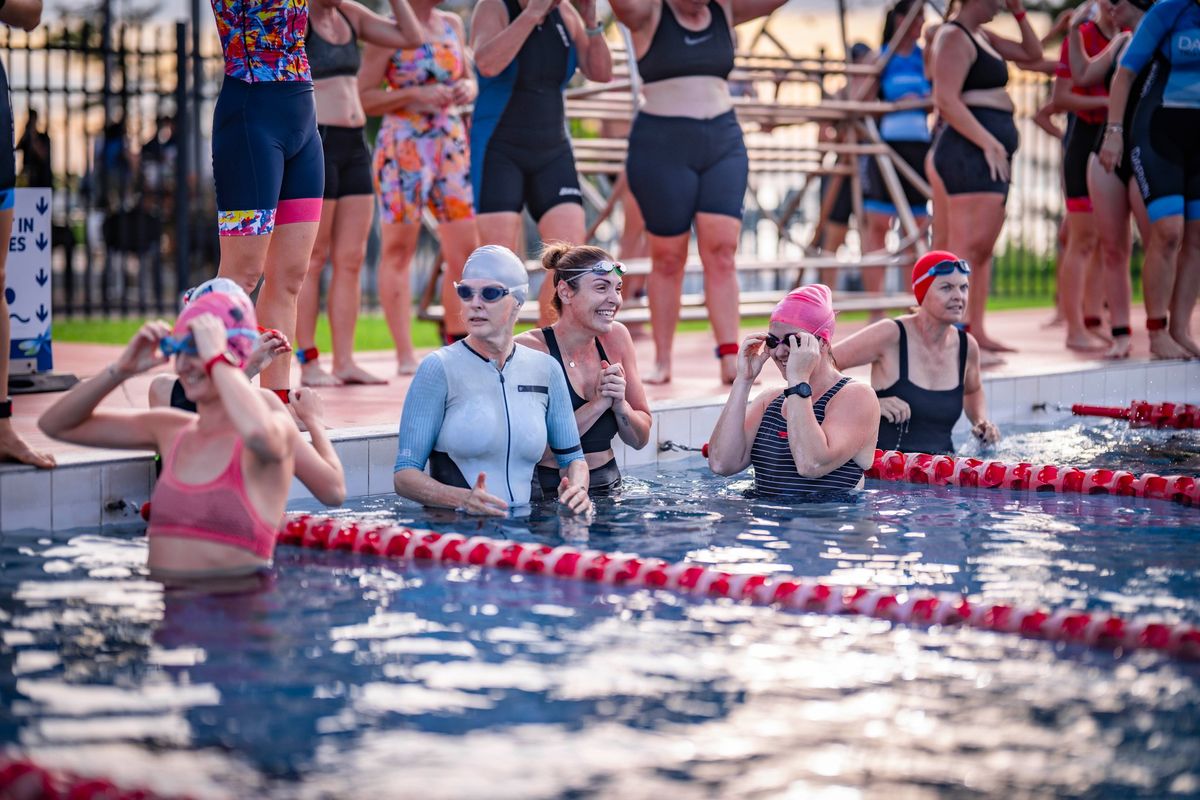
(347,157)
(934,412)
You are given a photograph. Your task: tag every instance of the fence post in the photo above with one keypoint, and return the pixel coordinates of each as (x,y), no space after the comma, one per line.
(183,130)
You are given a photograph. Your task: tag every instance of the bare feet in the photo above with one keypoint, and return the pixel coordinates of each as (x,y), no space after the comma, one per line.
(14,448)
(991,344)
(1055,321)
(354,374)
(987,358)
(1163,346)
(311,374)
(660,374)
(1184,339)
(728,369)
(1120,348)
(406,365)
(1085,340)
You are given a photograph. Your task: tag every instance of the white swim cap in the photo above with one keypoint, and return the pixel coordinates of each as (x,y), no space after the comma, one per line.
(499,264)
(222,285)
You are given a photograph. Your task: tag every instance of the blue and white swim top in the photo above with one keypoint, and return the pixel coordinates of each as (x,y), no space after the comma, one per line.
(464,416)
(1171,30)
(903,78)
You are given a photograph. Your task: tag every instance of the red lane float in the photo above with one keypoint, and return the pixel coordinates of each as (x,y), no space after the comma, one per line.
(1142,414)
(23,778)
(800,594)
(922,468)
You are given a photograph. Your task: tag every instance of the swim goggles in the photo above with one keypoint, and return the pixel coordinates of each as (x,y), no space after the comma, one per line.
(774,341)
(490,294)
(944,268)
(599,268)
(173,345)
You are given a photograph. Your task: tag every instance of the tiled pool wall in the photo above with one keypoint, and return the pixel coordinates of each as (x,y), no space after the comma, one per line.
(101,492)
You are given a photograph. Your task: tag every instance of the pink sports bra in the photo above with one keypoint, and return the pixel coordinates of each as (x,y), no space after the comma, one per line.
(215,511)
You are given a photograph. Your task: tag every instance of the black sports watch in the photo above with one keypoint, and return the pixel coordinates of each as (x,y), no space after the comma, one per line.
(5,405)
(801,389)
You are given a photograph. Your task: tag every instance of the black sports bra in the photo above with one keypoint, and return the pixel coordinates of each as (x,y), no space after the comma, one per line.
(987,71)
(597,438)
(676,52)
(328,60)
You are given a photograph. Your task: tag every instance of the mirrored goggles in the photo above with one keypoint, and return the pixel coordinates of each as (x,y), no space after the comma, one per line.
(490,294)
(599,268)
(173,345)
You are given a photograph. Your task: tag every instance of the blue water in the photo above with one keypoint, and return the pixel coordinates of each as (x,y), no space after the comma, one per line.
(346,675)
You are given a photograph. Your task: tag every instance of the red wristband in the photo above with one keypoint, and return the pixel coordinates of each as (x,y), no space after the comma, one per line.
(221,358)
(1020,15)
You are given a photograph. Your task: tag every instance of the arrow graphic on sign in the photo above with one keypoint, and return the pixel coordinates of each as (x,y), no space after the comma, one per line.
(42,313)
(41,277)
(42,206)
(41,241)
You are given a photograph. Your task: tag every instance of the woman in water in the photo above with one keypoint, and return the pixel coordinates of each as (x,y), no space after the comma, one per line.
(924,369)
(595,353)
(227,468)
(421,163)
(813,438)
(521,157)
(1165,162)
(973,152)
(334,29)
(485,409)
(687,160)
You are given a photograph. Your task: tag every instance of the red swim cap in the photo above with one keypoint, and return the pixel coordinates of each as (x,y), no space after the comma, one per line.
(921,277)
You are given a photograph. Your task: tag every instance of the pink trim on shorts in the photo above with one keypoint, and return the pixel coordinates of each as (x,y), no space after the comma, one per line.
(1079,205)
(304,209)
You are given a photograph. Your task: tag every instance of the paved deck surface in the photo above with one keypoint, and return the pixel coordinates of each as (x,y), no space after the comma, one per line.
(1040,350)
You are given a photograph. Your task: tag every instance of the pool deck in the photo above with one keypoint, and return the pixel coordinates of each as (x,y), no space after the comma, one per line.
(93,487)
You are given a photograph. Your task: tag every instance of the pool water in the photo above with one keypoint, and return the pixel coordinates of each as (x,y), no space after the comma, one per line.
(344,675)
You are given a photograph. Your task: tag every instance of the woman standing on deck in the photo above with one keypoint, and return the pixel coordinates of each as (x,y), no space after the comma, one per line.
(687,161)
(973,152)
(421,162)
(521,157)
(334,28)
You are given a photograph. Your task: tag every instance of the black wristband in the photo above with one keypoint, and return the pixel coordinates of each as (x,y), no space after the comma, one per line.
(5,405)
(801,389)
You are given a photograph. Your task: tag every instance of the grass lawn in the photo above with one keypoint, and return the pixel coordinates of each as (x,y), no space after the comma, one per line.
(372,332)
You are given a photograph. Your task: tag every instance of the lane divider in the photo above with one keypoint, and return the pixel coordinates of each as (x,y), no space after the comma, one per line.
(1142,414)
(920,608)
(922,468)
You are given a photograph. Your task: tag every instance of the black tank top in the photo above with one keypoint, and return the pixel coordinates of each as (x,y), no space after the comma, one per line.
(775,473)
(934,413)
(676,52)
(535,113)
(987,71)
(597,438)
(327,60)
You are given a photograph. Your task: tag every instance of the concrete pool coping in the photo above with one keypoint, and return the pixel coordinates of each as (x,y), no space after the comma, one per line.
(108,487)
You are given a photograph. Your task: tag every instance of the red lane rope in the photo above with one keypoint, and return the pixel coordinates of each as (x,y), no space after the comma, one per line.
(22,778)
(1146,415)
(800,594)
(922,468)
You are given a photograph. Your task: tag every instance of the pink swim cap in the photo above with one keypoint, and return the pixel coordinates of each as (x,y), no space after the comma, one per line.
(234,310)
(809,308)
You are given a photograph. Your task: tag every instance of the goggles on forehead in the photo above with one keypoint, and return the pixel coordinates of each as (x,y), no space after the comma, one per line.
(490,294)
(944,268)
(173,345)
(599,268)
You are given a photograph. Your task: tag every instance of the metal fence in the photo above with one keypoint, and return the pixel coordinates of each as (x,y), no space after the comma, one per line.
(127,113)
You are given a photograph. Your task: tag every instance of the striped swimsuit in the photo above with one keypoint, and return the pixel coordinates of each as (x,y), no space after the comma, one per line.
(775,473)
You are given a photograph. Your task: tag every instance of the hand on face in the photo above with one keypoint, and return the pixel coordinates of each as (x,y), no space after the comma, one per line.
(804,354)
(751,357)
(208,333)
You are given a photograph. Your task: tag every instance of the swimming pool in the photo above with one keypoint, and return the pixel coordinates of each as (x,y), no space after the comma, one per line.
(348,674)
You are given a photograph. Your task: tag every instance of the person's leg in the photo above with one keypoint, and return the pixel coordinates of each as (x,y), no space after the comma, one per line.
(500,227)
(717,238)
(351,227)
(395,288)
(1110,213)
(562,223)
(1080,252)
(668,257)
(1159,270)
(308,305)
(632,245)
(974,227)
(940,202)
(1187,288)
(459,239)
(286,264)
(832,239)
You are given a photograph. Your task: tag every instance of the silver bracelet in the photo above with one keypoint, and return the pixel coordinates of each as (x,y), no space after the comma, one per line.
(596,31)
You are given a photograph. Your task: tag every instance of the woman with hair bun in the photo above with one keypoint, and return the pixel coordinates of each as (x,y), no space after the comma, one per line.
(596,354)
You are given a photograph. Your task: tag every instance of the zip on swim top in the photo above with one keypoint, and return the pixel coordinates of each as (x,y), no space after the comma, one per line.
(327,59)
(215,511)
(676,52)
(463,416)
(904,77)
(263,40)
(597,438)
(1171,29)
(934,412)
(775,473)
(987,71)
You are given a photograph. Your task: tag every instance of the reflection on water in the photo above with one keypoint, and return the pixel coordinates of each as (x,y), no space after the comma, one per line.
(347,675)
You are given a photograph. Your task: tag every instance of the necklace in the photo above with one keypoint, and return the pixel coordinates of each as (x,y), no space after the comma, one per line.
(572,364)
